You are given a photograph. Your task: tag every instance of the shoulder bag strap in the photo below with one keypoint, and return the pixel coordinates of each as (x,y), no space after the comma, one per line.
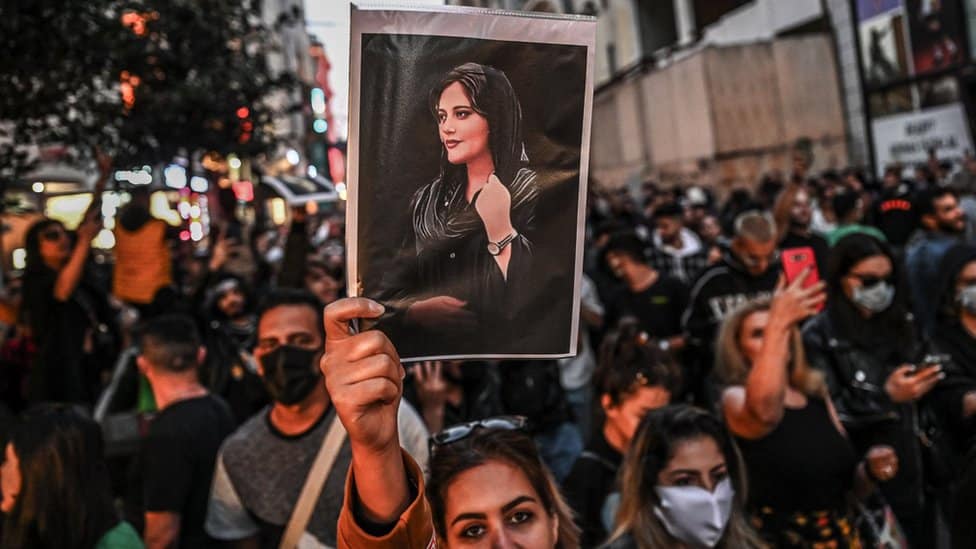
(320,471)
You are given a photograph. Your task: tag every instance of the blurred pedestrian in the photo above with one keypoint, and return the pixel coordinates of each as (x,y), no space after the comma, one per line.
(676,250)
(56,488)
(142,274)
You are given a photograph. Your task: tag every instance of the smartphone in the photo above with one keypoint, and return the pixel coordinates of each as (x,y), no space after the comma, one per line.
(796,260)
(931,361)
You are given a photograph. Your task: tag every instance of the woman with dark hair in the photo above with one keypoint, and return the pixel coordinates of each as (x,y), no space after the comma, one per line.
(633,377)
(61,310)
(56,490)
(472,225)
(866,345)
(486,483)
(683,485)
(801,465)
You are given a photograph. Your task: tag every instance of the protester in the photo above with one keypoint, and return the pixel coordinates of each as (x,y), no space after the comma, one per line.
(451,392)
(142,275)
(180,449)
(894,212)
(866,344)
(66,313)
(262,467)
(682,484)
(748,270)
(801,466)
(849,209)
(793,217)
(653,297)
(633,378)
(56,489)
(488,486)
(676,250)
(942,226)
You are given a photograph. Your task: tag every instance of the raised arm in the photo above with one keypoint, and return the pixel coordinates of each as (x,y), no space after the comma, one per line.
(754,410)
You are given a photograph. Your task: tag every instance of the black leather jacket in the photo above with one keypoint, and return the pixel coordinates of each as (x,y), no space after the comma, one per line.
(855,376)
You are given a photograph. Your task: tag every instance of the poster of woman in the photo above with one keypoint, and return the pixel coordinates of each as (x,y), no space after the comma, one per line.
(468,148)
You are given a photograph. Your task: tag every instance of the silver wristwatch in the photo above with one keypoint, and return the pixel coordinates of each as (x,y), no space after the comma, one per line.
(496,248)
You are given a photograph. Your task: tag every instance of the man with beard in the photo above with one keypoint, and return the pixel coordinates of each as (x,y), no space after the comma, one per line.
(942,225)
(677,251)
(262,467)
(229,335)
(794,215)
(749,270)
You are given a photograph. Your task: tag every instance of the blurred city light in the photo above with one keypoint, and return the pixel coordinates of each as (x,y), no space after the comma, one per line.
(199,184)
(318,101)
(293,157)
(320,126)
(175,176)
(313,171)
(134,177)
(37,187)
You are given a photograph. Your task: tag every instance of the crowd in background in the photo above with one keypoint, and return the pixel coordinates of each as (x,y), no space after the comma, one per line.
(713,401)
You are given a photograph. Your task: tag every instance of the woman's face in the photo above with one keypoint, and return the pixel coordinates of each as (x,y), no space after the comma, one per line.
(494,505)
(55,247)
(463,131)
(866,273)
(751,334)
(10,479)
(695,462)
(625,417)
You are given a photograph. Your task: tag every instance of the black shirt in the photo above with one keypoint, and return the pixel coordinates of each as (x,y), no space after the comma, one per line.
(658,308)
(590,485)
(178,462)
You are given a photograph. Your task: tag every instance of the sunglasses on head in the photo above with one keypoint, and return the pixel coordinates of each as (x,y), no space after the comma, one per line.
(869,281)
(462,431)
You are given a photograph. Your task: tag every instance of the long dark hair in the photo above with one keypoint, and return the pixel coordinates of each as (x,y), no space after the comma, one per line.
(65,499)
(491,96)
(512,447)
(891,325)
(32,244)
(659,433)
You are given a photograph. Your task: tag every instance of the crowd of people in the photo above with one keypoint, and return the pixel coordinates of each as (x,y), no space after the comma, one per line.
(715,400)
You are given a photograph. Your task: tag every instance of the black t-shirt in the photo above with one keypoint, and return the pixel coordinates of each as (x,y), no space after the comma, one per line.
(178,462)
(658,308)
(591,490)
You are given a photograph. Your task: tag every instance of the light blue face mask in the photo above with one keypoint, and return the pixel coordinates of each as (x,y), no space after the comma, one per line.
(876,298)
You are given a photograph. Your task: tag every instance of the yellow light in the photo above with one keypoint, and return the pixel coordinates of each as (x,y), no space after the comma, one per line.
(105,240)
(159,208)
(68,209)
(279,212)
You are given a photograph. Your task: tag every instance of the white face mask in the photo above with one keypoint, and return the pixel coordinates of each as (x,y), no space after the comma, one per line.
(694,515)
(967,299)
(876,298)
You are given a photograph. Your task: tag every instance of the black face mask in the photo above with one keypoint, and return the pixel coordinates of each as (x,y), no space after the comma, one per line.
(290,373)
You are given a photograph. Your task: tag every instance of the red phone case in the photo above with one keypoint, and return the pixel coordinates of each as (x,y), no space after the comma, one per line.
(795,261)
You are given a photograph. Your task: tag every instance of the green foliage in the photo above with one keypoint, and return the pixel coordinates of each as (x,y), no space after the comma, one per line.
(197,62)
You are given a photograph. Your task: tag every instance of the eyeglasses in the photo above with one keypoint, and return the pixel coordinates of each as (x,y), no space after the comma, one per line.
(869,281)
(462,431)
(53,235)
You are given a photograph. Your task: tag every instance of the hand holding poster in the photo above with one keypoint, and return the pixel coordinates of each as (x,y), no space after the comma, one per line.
(469,140)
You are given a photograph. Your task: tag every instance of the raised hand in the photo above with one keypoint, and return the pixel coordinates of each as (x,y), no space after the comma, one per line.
(363,375)
(494,207)
(793,303)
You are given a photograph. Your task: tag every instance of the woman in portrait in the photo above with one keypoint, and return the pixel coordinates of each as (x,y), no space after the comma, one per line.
(466,272)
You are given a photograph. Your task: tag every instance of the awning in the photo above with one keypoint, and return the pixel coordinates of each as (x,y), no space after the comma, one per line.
(299,190)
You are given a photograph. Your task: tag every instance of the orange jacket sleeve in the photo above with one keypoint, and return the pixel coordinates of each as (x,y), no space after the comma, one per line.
(414,529)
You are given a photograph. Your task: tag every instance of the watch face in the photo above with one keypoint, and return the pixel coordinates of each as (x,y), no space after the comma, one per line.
(493,248)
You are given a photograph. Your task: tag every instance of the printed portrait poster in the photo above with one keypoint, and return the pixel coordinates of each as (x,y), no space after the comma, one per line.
(468,149)
(884,44)
(936,31)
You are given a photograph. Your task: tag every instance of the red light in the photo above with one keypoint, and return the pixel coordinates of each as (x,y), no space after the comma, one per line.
(184,235)
(247,126)
(244,191)
(243,112)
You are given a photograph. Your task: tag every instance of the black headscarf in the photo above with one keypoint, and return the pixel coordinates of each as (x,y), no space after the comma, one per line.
(436,207)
